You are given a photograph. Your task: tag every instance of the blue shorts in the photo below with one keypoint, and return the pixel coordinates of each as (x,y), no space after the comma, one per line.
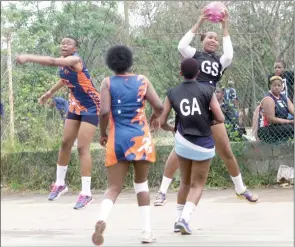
(188,150)
(92,119)
(290,116)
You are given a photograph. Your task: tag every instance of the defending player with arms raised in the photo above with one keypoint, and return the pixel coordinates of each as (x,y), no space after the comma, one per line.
(82,118)
(123,98)
(212,67)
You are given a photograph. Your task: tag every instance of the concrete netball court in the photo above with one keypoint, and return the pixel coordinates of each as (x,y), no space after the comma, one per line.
(220,220)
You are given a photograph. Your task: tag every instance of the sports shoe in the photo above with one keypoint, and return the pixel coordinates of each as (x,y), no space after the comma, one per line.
(57,191)
(176,227)
(160,199)
(249,196)
(147,237)
(97,237)
(83,201)
(184,227)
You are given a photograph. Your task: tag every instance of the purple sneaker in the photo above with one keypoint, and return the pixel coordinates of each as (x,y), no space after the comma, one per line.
(249,196)
(83,201)
(160,199)
(57,191)
(184,227)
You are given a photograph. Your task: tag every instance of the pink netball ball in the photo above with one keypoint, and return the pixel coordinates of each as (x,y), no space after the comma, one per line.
(215,11)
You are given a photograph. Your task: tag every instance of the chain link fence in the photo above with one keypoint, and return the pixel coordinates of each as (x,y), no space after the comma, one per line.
(243,86)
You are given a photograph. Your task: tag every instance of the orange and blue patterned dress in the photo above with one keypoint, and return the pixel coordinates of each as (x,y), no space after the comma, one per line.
(129,136)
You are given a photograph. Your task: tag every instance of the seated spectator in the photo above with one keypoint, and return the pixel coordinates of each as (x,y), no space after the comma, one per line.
(1,110)
(273,123)
(228,108)
(61,105)
(287,76)
(231,116)
(230,94)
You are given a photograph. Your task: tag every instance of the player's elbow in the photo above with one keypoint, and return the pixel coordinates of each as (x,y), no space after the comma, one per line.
(158,110)
(53,62)
(181,48)
(228,58)
(104,113)
(220,118)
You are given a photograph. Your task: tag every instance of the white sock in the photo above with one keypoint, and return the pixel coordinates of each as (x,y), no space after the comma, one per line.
(165,184)
(239,185)
(105,209)
(187,211)
(145,212)
(86,186)
(61,172)
(179,210)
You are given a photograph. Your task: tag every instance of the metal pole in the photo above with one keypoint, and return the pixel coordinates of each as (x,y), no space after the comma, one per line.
(11,103)
(252,74)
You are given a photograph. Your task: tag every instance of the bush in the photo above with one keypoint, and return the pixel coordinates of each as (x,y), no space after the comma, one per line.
(36,170)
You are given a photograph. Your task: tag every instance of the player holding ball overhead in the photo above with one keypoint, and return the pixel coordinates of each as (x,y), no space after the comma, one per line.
(212,67)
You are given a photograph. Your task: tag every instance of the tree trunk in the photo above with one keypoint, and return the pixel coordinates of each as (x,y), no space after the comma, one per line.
(9,70)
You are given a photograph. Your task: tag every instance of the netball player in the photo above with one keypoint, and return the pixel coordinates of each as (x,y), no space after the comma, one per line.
(82,118)
(123,98)
(194,144)
(211,68)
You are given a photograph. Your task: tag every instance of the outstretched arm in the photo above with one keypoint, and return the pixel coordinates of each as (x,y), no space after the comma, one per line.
(228,51)
(184,44)
(56,87)
(48,61)
(49,94)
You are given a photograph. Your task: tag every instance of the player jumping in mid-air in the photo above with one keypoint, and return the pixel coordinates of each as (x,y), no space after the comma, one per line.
(82,118)
(211,69)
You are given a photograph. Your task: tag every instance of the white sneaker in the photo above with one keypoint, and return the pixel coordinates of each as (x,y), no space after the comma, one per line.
(147,237)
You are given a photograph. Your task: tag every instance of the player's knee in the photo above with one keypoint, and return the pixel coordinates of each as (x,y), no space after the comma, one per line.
(115,190)
(197,181)
(185,184)
(66,145)
(83,149)
(141,187)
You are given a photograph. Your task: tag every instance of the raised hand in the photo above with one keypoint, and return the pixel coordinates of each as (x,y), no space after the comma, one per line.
(203,16)
(43,99)
(103,140)
(224,20)
(21,59)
